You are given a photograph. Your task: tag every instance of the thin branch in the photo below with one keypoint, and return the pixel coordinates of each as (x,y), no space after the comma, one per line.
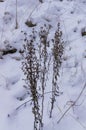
(23,104)
(16,27)
(29,101)
(73,104)
(82,125)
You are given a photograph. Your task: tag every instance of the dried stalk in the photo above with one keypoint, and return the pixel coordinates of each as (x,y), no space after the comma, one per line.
(31,70)
(57,54)
(73,104)
(16,27)
(43,54)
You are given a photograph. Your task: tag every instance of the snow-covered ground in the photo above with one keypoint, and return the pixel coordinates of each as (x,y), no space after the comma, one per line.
(71,15)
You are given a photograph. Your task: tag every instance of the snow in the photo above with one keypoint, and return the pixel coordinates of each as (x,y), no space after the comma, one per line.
(71,15)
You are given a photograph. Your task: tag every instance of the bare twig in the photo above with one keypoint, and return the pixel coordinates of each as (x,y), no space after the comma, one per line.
(73,104)
(78,121)
(29,101)
(16,27)
(82,125)
(23,104)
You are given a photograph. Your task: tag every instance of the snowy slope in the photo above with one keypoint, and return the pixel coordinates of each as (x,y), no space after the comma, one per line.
(71,15)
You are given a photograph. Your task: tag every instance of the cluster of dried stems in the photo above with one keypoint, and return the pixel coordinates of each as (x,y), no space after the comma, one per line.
(36,66)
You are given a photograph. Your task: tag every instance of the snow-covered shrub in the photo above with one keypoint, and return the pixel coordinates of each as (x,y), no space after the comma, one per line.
(7,48)
(30,23)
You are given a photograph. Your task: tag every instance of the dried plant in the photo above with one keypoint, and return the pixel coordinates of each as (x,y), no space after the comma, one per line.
(36,65)
(57,53)
(43,56)
(31,70)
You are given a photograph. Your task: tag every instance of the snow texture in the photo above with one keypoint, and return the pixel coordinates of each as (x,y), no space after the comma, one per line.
(71,15)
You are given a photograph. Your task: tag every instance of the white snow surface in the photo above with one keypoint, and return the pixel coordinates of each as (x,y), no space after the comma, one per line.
(71,15)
